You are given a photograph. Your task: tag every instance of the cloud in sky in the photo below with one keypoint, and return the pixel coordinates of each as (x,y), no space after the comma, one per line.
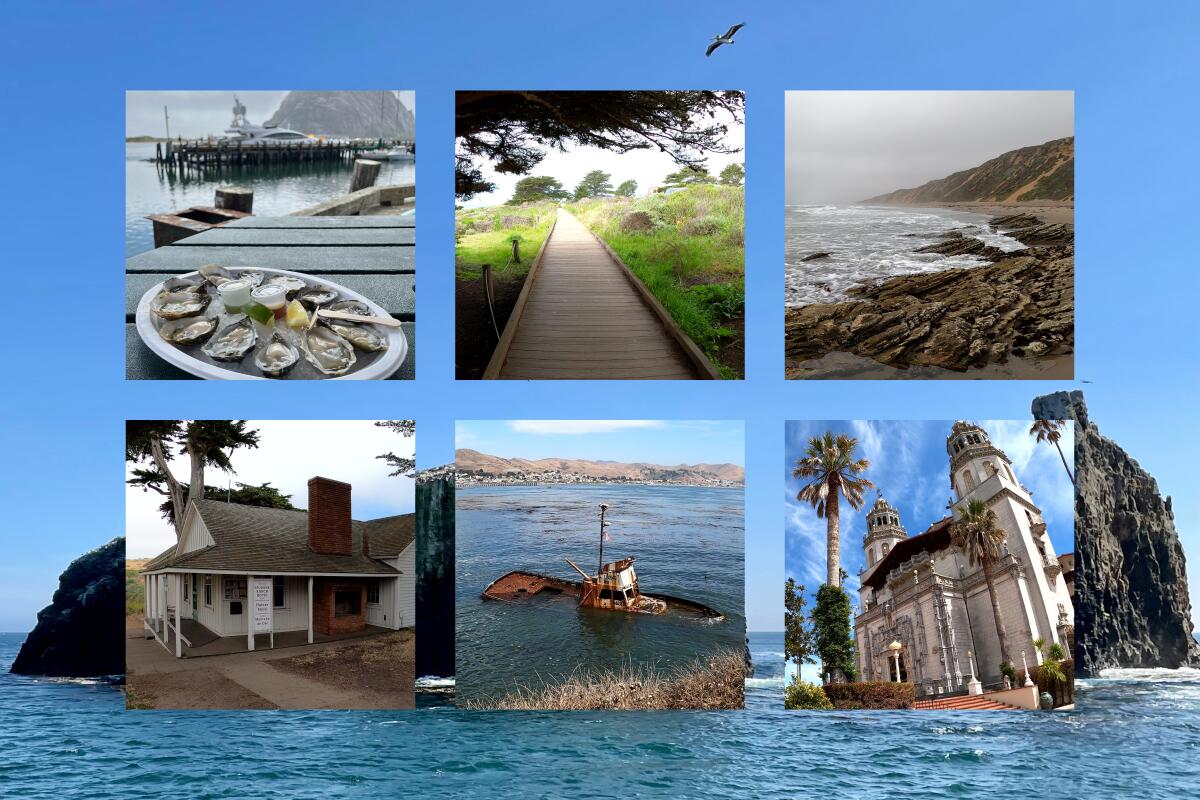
(289,453)
(575,427)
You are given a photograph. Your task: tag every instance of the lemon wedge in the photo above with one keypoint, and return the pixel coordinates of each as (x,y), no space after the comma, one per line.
(297,317)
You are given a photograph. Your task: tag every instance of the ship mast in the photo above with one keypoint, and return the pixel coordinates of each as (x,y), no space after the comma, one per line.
(603,525)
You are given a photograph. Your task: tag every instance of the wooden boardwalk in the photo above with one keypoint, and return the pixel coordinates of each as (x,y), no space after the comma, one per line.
(582,316)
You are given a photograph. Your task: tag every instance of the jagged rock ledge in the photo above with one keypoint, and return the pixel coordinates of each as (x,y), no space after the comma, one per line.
(81,634)
(1131,595)
(1019,306)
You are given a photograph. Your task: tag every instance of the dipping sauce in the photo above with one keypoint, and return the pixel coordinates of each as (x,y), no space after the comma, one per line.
(235,294)
(273,297)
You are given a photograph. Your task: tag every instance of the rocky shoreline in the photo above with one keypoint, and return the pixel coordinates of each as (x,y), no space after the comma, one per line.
(1018,307)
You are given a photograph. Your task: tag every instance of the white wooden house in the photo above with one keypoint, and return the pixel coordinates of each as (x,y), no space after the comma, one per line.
(330,575)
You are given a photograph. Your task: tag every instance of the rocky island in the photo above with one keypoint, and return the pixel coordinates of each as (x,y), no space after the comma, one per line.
(1131,595)
(81,634)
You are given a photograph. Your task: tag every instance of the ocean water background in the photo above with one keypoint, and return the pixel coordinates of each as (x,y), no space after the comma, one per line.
(1137,735)
(687,541)
(278,190)
(867,244)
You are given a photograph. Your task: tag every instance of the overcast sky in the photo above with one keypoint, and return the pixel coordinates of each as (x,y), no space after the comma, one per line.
(647,167)
(843,147)
(289,453)
(200,114)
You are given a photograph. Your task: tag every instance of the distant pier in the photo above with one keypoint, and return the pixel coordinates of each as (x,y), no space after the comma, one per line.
(201,154)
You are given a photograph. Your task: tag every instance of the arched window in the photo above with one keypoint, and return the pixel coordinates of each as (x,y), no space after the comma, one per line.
(968,481)
(1008,470)
(870,556)
(885,548)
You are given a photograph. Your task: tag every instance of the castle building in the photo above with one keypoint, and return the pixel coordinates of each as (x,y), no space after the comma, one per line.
(925,615)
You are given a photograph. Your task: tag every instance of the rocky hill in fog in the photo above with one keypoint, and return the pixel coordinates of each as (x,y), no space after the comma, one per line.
(353,115)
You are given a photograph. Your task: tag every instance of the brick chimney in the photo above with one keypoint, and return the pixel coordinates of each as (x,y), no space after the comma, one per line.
(329,517)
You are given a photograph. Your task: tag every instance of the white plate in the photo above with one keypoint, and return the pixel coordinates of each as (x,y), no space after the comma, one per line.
(382,367)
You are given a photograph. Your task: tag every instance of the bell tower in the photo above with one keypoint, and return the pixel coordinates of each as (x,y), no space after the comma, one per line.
(979,469)
(883,531)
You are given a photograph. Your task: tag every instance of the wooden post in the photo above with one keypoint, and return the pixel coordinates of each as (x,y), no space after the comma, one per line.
(247,612)
(178,612)
(365,174)
(516,255)
(310,601)
(234,198)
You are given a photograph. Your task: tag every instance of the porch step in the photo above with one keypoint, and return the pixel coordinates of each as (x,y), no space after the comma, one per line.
(964,703)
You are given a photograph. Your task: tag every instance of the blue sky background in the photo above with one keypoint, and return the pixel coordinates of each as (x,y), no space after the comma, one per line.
(66,68)
(665,442)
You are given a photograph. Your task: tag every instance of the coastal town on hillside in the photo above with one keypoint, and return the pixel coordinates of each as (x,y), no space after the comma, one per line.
(666,477)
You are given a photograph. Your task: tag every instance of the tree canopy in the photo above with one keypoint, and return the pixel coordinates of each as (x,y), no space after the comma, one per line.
(207,443)
(688,176)
(627,189)
(595,184)
(513,130)
(733,175)
(400,465)
(537,188)
(264,495)
(799,644)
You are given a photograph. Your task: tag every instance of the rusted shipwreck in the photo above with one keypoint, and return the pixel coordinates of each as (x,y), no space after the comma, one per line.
(614,587)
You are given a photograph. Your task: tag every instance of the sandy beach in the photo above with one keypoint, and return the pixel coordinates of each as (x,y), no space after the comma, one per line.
(1053,212)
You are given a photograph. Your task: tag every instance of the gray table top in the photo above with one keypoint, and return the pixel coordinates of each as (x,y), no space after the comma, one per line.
(374,256)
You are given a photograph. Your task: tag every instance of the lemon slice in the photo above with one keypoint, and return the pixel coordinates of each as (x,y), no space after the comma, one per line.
(297,317)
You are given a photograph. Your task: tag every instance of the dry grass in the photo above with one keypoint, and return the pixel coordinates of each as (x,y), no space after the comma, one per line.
(382,663)
(717,683)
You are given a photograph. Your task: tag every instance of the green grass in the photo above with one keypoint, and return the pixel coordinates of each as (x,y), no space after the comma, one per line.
(134,592)
(692,257)
(483,237)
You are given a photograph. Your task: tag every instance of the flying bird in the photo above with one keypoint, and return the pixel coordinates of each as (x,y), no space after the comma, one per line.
(719,40)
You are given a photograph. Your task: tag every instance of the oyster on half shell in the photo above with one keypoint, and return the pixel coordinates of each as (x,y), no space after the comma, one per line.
(177,304)
(328,352)
(188,330)
(233,341)
(277,356)
(317,296)
(290,284)
(364,337)
(352,307)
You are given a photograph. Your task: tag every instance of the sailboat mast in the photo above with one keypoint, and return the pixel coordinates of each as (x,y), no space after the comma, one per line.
(603,525)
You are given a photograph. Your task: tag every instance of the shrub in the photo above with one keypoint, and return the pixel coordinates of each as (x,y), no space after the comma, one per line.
(804,695)
(871,695)
(1059,683)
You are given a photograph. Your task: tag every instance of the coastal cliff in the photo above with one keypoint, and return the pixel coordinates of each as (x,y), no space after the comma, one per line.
(1040,172)
(1131,593)
(1019,306)
(81,634)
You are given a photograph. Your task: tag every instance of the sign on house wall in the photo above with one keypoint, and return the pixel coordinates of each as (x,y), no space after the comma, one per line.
(261,604)
(235,588)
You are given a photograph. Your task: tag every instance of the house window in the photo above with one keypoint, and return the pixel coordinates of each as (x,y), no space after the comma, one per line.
(278,592)
(208,591)
(373,592)
(185,588)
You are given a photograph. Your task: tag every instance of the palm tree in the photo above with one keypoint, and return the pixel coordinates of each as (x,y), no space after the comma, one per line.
(1050,430)
(830,462)
(978,534)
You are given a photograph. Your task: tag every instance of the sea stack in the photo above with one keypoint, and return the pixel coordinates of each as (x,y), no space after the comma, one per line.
(1131,593)
(81,634)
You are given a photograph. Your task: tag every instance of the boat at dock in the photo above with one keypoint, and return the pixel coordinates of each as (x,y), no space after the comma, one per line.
(614,587)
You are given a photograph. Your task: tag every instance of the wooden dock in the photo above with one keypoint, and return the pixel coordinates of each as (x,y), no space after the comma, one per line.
(199,154)
(582,315)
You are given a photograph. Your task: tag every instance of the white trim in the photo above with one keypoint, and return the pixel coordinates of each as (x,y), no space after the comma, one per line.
(261,573)
(310,605)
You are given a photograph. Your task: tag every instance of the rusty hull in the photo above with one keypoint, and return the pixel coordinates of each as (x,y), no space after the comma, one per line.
(519,585)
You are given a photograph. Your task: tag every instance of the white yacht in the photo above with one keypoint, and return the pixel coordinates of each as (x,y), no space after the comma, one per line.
(243,132)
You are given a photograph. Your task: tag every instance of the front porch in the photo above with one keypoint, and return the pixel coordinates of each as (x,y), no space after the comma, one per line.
(198,641)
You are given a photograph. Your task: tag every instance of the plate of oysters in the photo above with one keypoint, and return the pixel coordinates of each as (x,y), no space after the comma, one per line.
(247,323)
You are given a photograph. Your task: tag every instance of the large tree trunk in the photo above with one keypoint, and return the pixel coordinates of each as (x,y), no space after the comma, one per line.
(1001,631)
(173,487)
(196,487)
(833,541)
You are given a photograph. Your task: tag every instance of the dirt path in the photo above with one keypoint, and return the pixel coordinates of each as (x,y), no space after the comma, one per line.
(585,320)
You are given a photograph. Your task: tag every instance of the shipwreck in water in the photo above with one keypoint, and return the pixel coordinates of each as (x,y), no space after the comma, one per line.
(614,587)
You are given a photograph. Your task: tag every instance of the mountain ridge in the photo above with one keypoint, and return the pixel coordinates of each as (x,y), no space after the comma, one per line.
(346,114)
(1038,172)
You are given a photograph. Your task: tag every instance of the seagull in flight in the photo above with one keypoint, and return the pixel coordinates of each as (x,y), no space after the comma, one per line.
(719,40)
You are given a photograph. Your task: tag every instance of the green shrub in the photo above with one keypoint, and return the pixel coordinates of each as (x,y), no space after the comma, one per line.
(871,695)
(804,695)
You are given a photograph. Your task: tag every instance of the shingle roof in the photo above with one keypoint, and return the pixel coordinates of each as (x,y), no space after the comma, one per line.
(254,539)
(389,536)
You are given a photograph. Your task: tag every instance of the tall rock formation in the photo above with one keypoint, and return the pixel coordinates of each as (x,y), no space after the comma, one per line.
(1131,592)
(349,115)
(81,634)
(1041,172)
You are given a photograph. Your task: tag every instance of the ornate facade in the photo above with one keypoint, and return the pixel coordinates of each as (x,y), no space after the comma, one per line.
(925,615)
